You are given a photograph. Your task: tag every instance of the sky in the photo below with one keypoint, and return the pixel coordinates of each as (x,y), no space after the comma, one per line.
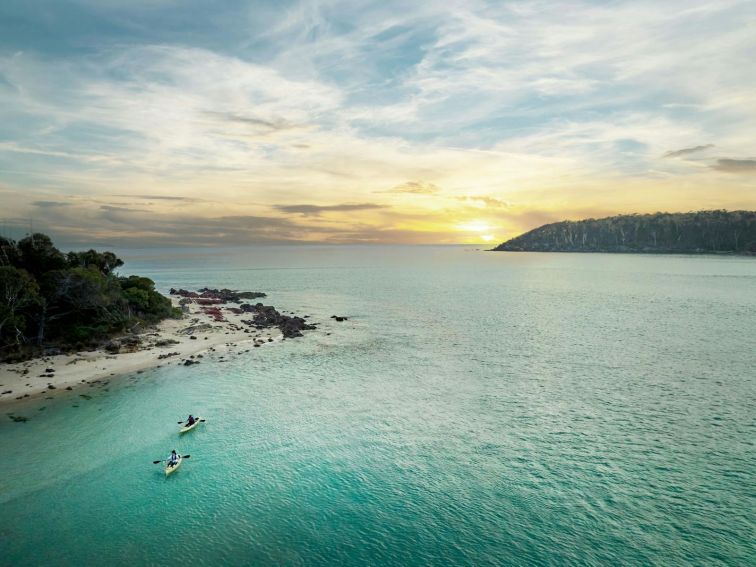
(196,123)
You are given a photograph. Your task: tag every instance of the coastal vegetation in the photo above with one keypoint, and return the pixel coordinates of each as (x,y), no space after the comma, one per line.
(51,301)
(683,233)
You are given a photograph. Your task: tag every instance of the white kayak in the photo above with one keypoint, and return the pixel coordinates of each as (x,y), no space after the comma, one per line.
(172,469)
(185,427)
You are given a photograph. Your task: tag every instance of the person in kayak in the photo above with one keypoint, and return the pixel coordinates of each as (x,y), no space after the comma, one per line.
(191,420)
(173,459)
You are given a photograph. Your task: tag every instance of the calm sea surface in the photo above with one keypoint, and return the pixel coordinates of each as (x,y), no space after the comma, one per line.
(476,409)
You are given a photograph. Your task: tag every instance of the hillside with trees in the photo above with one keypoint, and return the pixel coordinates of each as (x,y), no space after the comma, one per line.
(51,301)
(703,232)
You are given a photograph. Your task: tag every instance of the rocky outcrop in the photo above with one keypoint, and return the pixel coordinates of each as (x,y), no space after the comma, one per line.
(208,296)
(265,316)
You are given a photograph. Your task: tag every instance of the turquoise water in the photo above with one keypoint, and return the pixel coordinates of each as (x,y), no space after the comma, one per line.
(477,408)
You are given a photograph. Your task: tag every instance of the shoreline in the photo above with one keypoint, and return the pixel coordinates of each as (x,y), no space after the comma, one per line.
(172,341)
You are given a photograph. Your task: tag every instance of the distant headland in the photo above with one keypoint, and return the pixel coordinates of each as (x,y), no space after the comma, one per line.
(703,232)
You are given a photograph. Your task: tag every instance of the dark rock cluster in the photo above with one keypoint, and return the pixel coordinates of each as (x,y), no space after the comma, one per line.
(213,296)
(265,316)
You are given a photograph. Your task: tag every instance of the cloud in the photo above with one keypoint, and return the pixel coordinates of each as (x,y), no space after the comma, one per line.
(118,209)
(85,223)
(257,123)
(735,165)
(314,210)
(157,197)
(50,204)
(486,200)
(416,188)
(687,151)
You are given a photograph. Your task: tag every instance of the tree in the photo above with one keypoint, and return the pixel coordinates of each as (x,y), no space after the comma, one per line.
(73,300)
(39,255)
(9,254)
(105,262)
(19,295)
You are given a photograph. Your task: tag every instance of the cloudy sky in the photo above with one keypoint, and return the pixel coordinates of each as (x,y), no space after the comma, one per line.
(190,122)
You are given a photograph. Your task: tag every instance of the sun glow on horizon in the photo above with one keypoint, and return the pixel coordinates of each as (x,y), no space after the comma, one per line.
(474,226)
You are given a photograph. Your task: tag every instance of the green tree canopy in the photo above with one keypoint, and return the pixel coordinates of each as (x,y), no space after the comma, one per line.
(68,300)
(39,255)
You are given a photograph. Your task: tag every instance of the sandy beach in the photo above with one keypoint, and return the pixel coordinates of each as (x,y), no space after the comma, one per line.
(173,341)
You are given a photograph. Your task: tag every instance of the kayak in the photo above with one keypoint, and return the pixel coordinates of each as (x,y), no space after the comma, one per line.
(171,470)
(185,428)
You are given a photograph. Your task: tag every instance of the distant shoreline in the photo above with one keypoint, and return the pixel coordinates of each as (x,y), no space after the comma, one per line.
(636,252)
(701,232)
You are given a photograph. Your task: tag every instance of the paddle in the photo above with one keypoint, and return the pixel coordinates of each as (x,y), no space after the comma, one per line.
(163,460)
(180,422)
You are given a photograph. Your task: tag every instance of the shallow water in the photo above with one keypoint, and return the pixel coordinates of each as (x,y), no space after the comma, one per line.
(477,408)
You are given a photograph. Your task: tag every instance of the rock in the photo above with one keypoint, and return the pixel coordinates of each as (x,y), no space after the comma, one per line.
(189,362)
(193,338)
(18,418)
(50,387)
(165,342)
(191,330)
(49,370)
(166,355)
(129,343)
(7,392)
(69,388)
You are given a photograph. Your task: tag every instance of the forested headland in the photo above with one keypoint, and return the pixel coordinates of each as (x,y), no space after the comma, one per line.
(700,232)
(53,302)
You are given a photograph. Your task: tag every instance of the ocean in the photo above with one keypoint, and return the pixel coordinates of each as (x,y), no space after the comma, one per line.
(476,408)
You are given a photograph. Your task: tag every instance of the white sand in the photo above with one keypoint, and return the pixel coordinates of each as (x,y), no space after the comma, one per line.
(24,379)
